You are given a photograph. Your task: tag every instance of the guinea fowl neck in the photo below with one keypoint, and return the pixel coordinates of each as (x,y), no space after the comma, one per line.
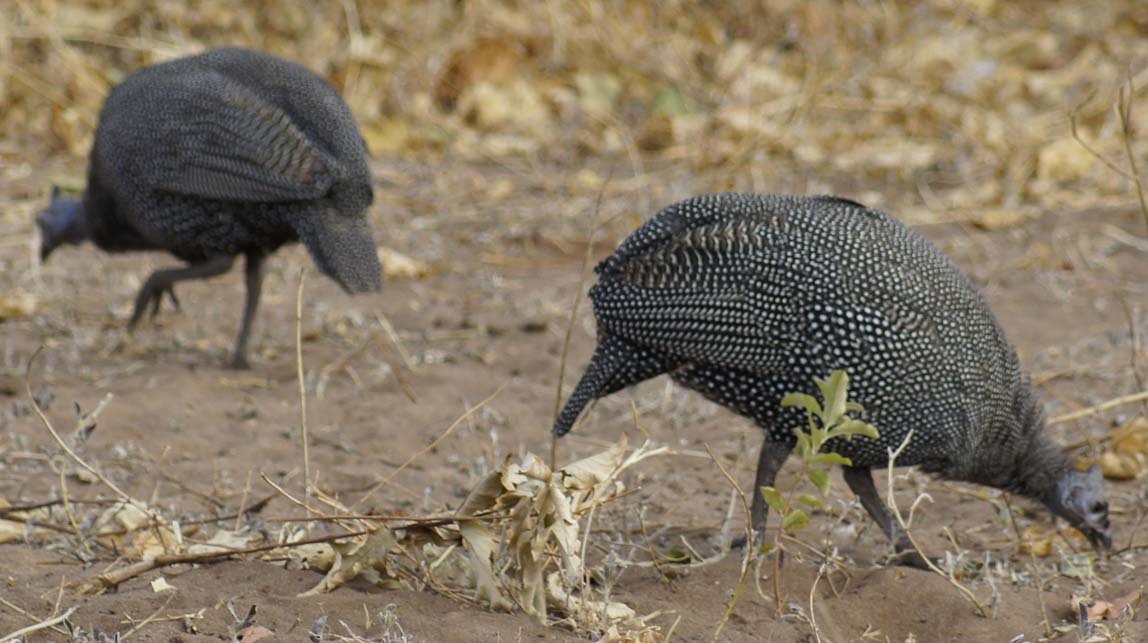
(1031,463)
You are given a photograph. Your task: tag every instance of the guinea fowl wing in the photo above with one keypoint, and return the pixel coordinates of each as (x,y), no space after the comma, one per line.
(220,140)
(718,292)
(766,289)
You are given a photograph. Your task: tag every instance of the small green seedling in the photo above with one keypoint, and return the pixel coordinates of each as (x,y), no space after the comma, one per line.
(826,422)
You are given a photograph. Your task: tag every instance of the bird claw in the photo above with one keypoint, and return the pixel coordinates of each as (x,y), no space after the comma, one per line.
(913,558)
(170,290)
(151,296)
(157,298)
(239,363)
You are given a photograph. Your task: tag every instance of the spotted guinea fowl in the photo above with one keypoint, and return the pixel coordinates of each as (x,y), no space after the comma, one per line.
(745,298)
(231,152)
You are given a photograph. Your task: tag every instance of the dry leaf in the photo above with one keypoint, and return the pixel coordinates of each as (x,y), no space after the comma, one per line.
(129,515)
(1037,542)
(399,266)
(588,472)
(597,92)
(161,585)
(131,526)
(320,556)
(225,540)
(245,382)
(559,597)
(1064,160)
(253,633)
(499,189)
(369,558)
(487,60)
(17,305)
(586,179)
(481,544)
(11,532)
(155,541)
(516,107)
(388,136)
(1102,610)
(1126,455)
(998,219)
(887,153)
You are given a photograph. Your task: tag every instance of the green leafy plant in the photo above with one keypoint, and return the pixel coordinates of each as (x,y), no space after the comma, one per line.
(828,420)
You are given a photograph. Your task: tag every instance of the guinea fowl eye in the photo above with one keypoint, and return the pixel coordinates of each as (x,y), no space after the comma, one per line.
(1099,507)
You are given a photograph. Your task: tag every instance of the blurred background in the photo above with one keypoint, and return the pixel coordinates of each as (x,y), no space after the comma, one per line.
(500,130)
(942,110)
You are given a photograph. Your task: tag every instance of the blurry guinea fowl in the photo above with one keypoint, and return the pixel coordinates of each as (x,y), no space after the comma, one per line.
(745,298)
(231,152)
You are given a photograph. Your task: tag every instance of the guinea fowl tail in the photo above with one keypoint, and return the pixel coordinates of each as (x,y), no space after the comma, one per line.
(343,249)
(616,364)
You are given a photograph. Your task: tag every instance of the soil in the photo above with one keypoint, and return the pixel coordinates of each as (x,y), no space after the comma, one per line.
(188,434)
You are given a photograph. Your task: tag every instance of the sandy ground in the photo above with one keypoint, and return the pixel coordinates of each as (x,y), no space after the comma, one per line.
(188,434)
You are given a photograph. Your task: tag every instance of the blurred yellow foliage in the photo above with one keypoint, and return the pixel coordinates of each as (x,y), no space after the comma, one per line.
(968,97)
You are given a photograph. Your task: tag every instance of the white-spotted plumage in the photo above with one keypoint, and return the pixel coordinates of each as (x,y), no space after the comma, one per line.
(746,298)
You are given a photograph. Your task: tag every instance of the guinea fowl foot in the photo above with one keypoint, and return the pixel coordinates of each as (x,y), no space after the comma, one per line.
(239,363)
(151,296)
(913,558)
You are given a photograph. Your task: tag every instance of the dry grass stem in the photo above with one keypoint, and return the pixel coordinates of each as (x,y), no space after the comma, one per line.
(414,520)
(1091,150)
(151,617)
(243,502)
(56,436)
(750,547)
(1124,108)
(31,617)
(340,363)
(395,340)
(891,502)
(583,276)
(302,390)
(113,578)
(416,455)
(812,593)
(23,632)
(1096,410)
(1048,631)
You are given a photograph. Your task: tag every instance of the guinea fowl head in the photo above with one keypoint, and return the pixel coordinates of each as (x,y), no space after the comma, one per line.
(1079,498)
(61,222)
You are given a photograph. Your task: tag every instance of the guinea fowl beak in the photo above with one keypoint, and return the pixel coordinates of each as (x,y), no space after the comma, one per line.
(46,243)
(1101,540)
(46,249)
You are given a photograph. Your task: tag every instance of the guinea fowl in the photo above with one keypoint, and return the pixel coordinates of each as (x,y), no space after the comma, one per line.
(227,153)
(746,298)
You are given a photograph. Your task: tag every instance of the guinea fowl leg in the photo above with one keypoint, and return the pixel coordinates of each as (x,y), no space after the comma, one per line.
(860,480)
(163,281)
(769,461)
(254,270)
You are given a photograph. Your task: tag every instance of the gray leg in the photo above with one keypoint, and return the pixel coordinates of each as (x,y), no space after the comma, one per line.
(860,480)
(769,462)
(254,272)
(163,281)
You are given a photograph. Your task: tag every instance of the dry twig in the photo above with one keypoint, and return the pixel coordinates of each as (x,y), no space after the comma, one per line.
(42,625)
(415,456)
(302,389)
(111,579)
(59,441)
(583,275)
(891,501)
(750,549)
